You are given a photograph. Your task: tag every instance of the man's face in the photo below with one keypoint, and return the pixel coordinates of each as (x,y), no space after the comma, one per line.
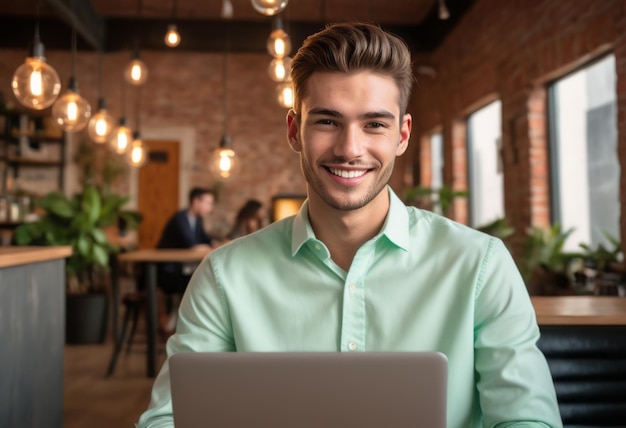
(203,205)
(348,135)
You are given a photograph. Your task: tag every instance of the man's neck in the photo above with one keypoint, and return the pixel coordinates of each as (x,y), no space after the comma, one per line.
(344,232)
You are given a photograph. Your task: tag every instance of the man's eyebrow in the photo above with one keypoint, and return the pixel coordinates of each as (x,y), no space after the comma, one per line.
(379,114)
(385,114)
(325,112)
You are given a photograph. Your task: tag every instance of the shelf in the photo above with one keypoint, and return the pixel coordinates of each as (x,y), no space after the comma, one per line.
(31,162)
(34,139)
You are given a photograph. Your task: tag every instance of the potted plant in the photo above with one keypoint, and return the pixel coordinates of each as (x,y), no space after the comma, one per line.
(545,266)
(439,200)
(79,222)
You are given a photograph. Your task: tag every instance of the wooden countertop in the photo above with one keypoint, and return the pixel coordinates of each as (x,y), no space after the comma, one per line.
(159,255)
(580,310)
(13,256)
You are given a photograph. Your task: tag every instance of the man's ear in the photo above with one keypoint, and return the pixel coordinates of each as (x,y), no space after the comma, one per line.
(293,131)
(405,134)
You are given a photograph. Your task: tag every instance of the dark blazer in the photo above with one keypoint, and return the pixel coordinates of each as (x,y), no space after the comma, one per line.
(179,234)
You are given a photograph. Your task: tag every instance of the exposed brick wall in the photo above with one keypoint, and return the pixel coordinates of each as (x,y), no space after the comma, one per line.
(511,50)
(186,90)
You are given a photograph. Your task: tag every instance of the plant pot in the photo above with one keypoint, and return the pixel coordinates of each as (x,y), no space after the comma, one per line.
(86,318)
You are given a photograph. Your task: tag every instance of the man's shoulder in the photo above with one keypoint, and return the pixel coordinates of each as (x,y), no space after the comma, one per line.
(427,224)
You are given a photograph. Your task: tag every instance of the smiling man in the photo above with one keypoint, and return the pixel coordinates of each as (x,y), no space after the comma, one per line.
(356,269)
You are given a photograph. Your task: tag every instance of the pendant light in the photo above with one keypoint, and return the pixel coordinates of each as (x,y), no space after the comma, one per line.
(101,124)
(284,94)
(122,136)
(224,161)
(269,7)
(71,111)
(35,83)
(279,69)
(278,42)
(172,37)
(444,13)
(136,72)
(137,152)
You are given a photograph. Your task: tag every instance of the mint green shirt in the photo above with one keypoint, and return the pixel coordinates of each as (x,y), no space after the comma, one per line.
(424,283)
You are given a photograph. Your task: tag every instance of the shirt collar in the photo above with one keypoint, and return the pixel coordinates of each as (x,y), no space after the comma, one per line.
(395,228)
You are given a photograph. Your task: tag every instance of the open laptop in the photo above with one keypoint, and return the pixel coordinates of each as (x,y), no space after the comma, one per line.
(309,390)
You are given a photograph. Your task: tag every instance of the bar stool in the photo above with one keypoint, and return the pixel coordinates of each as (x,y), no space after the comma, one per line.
(133,303)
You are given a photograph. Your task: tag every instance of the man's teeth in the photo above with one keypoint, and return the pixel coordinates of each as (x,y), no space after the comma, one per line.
(347,174)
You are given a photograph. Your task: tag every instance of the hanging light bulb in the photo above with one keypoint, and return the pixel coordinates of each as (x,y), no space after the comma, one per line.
(172,38)
(71,111)
(224,162)
(284,93)
(136,72)
(137,154)
(279,43)
(35,83)
(101,124)
(121,137)
(269,7)
(279,69)
(227,9)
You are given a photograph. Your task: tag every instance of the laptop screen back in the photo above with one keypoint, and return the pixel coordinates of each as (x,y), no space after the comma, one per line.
(306,390)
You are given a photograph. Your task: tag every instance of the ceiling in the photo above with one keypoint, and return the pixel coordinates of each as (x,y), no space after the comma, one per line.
(119,24)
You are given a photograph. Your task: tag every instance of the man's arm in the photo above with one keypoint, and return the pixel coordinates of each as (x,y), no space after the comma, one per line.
(203,326)
(514,381)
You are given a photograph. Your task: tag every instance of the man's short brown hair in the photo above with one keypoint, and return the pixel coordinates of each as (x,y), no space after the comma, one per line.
(352,47)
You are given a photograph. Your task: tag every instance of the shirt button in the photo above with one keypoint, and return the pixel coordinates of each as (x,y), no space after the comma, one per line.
(352,346)
(352,288)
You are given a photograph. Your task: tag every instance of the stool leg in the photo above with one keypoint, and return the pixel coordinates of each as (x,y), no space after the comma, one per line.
(119,342)
(133,329)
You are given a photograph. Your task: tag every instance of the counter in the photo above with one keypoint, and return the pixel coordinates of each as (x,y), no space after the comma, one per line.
(580,310)
(32,334)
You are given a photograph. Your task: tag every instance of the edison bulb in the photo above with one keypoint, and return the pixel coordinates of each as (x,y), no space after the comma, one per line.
(278,43)
(224,162)
(71,111)
(136,72)
(36,84)
(269,7)
(101,124)
(172,38)
(137,154)
(284,93)
(279,69)
(121,138)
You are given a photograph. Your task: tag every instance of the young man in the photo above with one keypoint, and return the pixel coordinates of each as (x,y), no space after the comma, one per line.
(356,269)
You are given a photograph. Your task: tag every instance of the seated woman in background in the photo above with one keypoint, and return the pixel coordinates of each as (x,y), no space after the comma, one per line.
(249,219)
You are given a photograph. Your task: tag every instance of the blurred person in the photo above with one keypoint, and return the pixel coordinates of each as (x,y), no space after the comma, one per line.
(249,219)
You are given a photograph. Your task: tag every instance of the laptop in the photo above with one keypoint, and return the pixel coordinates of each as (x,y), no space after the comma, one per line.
(309,390)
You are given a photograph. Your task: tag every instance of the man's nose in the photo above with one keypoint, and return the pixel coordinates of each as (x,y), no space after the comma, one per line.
(349,144)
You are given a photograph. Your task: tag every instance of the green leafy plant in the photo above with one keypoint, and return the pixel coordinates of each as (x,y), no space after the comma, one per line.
(499,228)
(601,257)
(429,198)
(79,222)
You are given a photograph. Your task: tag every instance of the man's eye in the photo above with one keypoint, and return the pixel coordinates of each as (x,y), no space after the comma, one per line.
(325,122)
(376,125)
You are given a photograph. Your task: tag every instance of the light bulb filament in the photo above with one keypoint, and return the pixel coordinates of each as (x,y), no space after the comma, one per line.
(72,111)
(135,72)
(101,126)
(279,47)
(36,83)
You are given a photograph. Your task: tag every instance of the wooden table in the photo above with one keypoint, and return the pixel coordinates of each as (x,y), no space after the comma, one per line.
(150,259)
(580,310)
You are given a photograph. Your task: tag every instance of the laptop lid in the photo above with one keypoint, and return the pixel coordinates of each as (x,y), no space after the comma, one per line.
(307,390)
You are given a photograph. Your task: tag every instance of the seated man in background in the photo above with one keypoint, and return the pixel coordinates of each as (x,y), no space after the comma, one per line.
(185,229)
(356,270)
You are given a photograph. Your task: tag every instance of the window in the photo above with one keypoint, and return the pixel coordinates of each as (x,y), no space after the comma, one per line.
(486,186)
(583,147)
(436,165)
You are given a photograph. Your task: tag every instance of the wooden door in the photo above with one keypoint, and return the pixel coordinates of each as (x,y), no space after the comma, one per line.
(157,190)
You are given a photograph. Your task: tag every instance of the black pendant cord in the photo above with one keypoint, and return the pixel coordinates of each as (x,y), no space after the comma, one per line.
(225,81)
(37,37)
